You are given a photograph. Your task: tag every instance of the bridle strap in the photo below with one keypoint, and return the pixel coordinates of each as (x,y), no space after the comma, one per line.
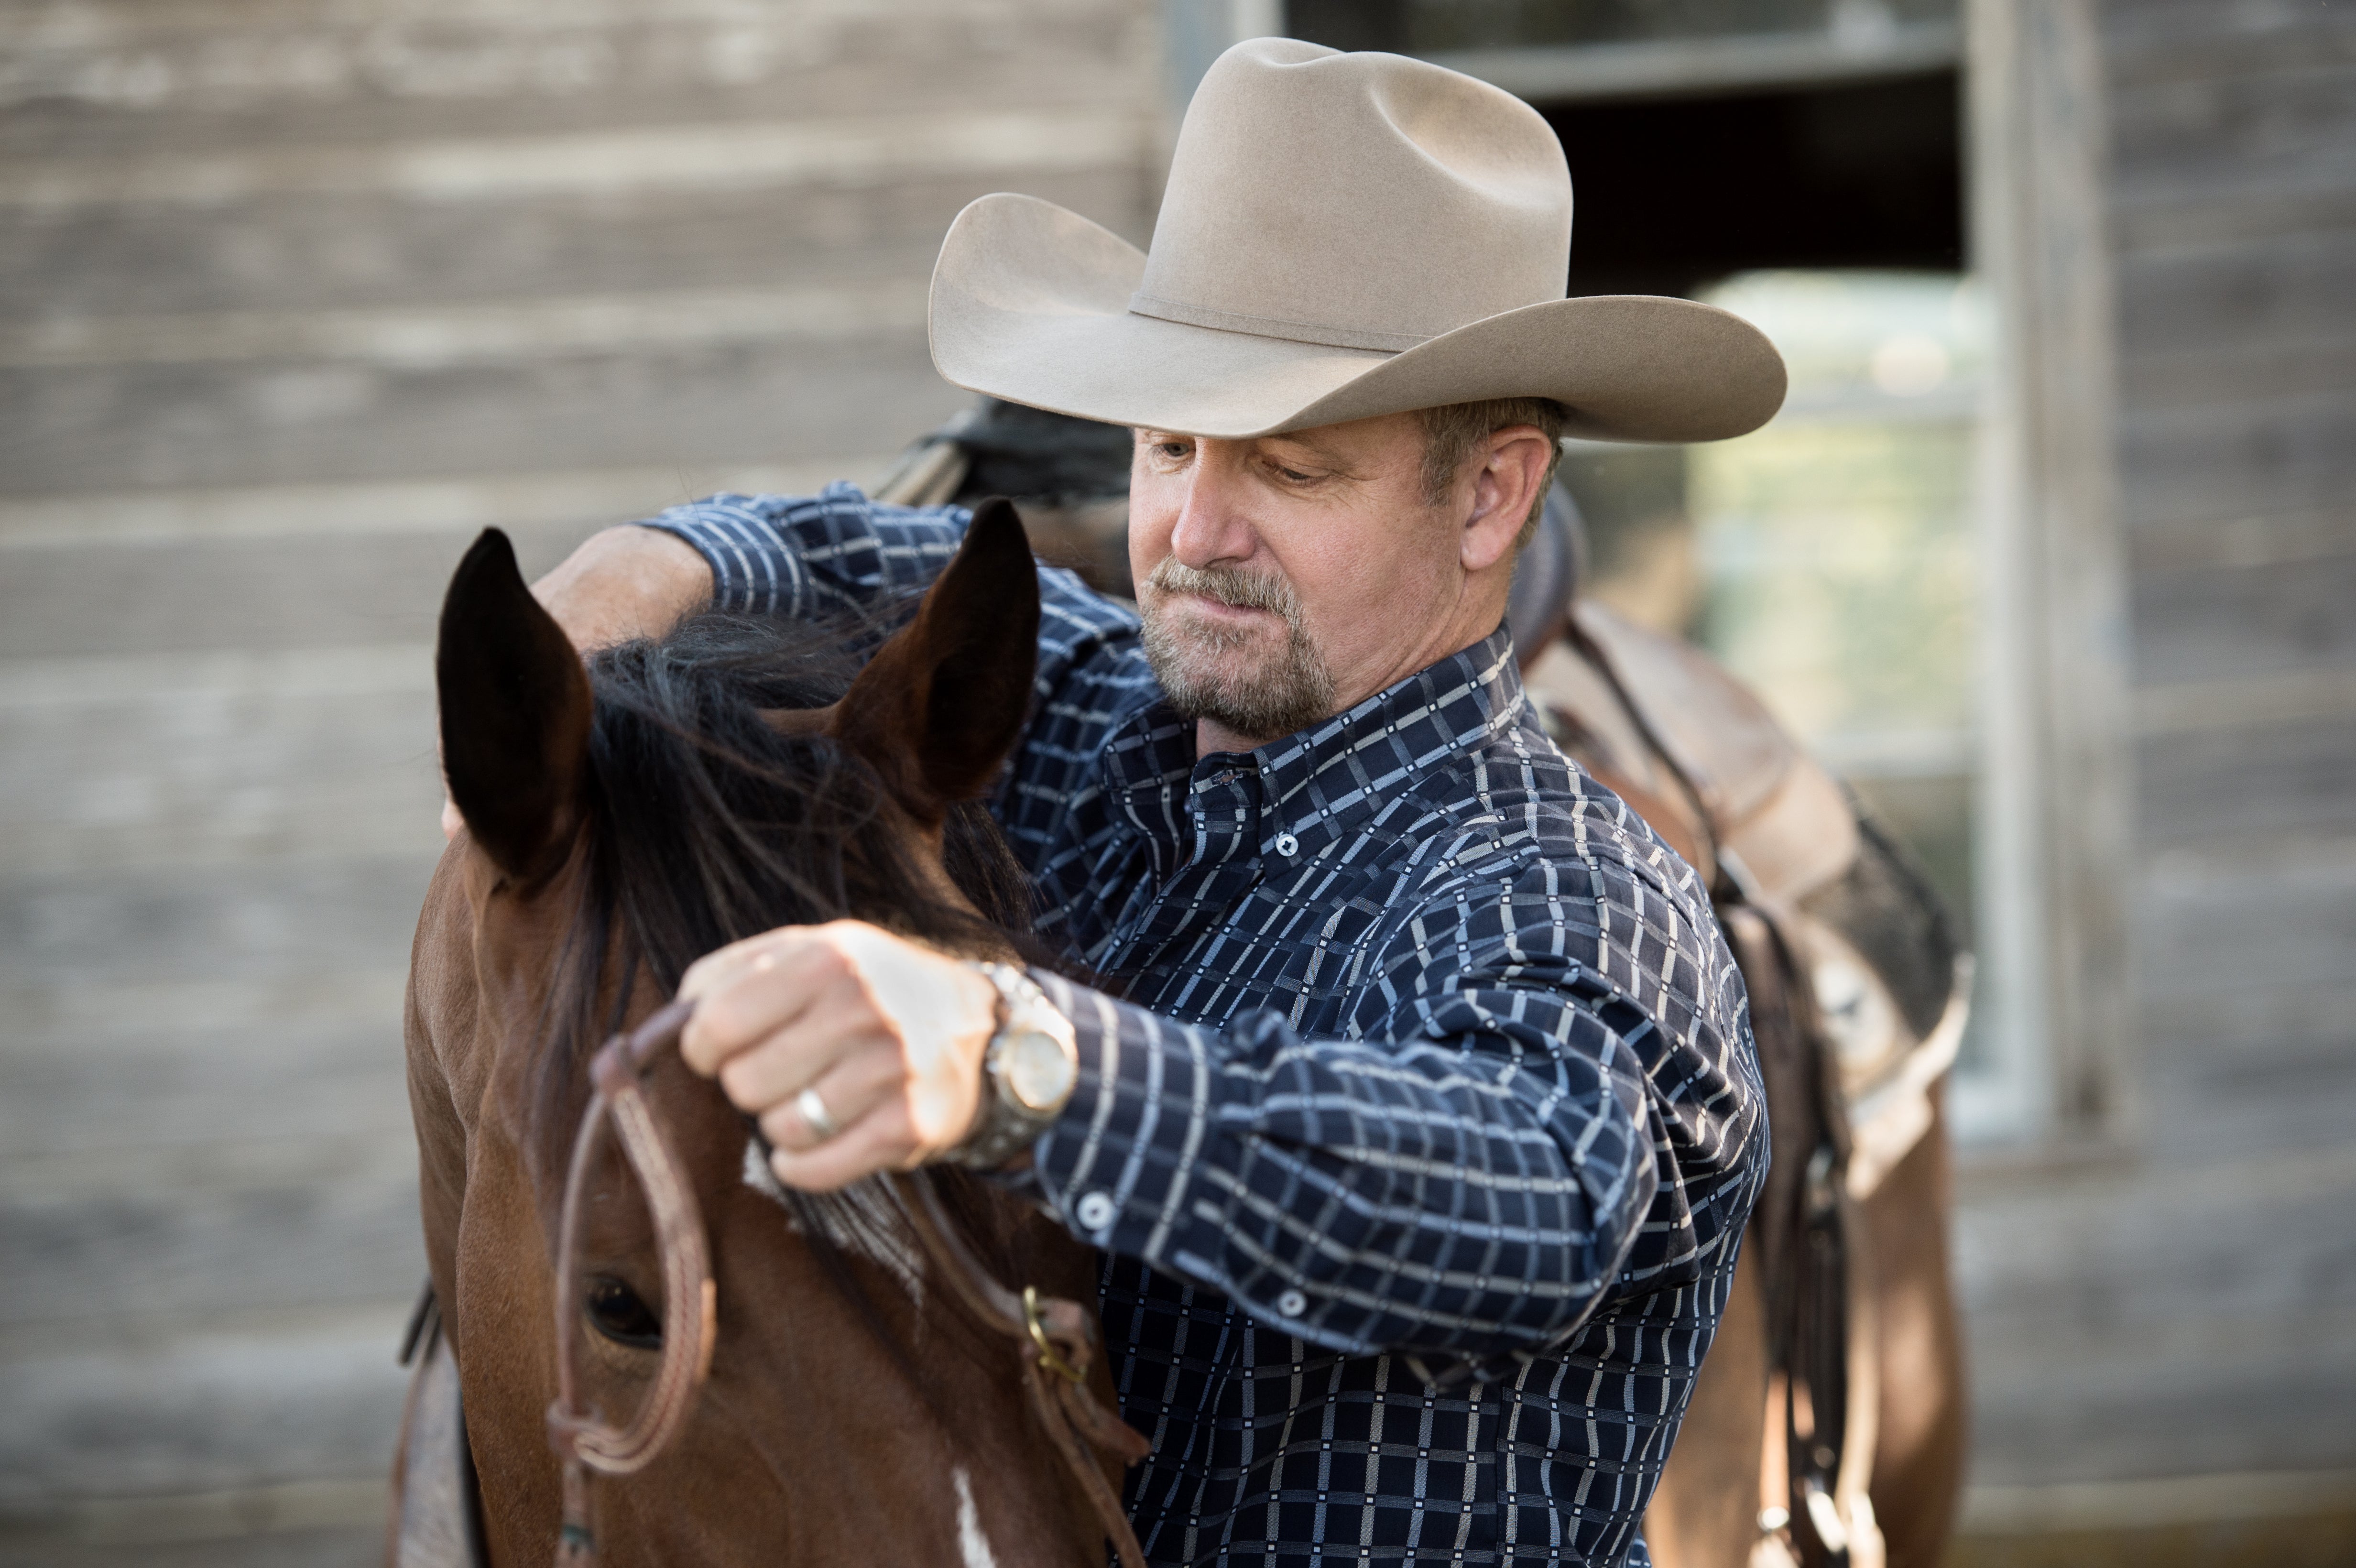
(581,1438)
(1055,1338)
(1056,1341)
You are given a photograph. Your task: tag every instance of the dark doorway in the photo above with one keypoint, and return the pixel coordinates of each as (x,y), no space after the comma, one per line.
(1675,193)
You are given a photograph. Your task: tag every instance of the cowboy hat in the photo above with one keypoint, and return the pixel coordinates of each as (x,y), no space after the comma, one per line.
(1342,236)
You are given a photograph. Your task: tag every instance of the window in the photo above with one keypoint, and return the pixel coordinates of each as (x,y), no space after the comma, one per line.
(1802,162)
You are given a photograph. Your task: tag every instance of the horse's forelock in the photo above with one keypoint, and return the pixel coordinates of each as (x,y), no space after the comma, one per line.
(707,825)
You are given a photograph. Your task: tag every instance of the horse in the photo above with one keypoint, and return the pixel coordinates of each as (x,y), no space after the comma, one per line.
(622,819)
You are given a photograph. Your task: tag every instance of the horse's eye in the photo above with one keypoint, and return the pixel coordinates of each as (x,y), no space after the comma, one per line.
(618,1313)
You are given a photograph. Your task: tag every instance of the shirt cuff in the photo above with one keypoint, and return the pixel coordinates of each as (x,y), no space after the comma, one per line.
(752,572)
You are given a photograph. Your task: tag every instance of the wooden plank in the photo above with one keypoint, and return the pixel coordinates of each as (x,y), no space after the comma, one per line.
(2257,539)
(749,158)
(267,762)
(2262,779)
(336,249)
(126,1115)
(438,337)
(2168,40)
(2249,212)
(2224,374)
(112,74)
(204,425)
(2213,128)
(2240,1392)
(2179,466)
(540,512)
(380,592)
(2269,295)
(259,937)
(279,1397)
(344,1236)
(2221,623)
(67,1545)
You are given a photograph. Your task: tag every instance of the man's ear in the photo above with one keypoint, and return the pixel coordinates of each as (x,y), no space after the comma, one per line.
(515,713)
(941,704)
(1510,479)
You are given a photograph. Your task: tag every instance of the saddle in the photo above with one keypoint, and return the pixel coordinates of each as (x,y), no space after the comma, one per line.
(1856,1002)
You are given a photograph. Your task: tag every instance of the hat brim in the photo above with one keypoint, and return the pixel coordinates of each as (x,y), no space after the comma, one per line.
(1030,302)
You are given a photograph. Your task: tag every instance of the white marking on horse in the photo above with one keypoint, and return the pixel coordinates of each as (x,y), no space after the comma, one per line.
(858,1218)
(973,1547)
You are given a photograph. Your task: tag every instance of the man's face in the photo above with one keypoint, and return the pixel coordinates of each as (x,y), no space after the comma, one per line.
(1286,578)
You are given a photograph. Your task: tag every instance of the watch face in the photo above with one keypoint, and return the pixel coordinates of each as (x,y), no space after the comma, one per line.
(1039,1072)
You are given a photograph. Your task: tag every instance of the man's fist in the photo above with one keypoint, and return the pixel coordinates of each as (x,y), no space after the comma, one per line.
(855,1049)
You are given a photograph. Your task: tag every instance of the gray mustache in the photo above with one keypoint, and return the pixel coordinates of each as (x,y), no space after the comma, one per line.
(1243,589)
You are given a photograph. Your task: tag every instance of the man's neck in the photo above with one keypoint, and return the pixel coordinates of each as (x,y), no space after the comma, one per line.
(1211,736)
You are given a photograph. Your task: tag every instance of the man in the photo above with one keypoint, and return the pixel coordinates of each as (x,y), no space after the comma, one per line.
(1417,1113)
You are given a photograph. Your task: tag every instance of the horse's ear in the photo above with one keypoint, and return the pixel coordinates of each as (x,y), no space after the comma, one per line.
(515,713)
(940,705)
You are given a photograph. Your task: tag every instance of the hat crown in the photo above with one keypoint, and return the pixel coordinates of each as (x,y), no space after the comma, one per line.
(1354,200)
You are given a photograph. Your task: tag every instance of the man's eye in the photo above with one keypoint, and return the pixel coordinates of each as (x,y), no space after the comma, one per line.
(1293,477)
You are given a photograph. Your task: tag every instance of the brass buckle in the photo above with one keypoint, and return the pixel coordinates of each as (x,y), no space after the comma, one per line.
(1049,1357)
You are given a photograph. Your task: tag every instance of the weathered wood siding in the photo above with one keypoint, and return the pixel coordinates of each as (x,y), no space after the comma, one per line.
(2184,1302)
(295,294)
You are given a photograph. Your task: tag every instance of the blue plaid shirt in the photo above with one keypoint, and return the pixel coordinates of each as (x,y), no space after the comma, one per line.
(1422,1136)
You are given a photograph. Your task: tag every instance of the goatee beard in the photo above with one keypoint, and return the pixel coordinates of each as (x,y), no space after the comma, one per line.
(1287,691)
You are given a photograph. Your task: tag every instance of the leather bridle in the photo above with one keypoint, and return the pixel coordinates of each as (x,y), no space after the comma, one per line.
(1054,1338)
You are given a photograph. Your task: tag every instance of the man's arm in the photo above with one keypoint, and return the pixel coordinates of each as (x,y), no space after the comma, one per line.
(1514,1143)
(1526,1145)
(624,583)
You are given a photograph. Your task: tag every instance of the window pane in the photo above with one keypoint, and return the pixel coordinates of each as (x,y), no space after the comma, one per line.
(1834,549)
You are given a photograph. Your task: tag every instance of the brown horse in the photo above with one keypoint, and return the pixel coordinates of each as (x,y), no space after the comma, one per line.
(622,821)
(1857,994)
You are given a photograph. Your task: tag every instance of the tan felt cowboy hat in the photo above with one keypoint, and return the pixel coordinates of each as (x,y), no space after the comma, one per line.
(1343,234)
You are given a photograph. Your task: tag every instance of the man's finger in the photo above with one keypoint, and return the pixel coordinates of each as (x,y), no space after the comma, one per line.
(849,1091)
(744,994)
(807,1047)
(882,1141)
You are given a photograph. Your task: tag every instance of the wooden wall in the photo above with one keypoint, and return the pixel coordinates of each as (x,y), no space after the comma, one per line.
(2177,1296)
(294,295)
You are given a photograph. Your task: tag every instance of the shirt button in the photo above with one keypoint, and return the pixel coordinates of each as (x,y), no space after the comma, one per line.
(1292,1303)
(1287,845)
(1095,1211)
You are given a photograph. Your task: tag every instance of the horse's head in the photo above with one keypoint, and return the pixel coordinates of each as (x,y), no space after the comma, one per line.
(624,818)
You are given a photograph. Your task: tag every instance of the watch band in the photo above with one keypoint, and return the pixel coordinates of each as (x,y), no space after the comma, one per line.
(1028,1072)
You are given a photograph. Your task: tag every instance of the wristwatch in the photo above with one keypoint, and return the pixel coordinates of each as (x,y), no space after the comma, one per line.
(1028,1072)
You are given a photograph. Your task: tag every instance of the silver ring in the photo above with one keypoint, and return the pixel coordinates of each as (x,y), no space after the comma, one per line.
(815,1116)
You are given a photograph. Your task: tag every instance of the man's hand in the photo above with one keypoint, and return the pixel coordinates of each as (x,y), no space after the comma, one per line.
(620,584)
(888,1036)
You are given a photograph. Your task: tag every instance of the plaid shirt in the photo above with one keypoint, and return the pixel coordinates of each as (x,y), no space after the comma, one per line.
(1421,1138)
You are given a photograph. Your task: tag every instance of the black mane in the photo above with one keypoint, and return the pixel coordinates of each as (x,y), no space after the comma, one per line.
(705,825)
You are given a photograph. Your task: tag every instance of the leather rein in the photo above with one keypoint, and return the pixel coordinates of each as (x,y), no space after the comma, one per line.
(1056,1339)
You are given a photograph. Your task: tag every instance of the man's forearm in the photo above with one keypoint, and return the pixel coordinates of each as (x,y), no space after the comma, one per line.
(623,584)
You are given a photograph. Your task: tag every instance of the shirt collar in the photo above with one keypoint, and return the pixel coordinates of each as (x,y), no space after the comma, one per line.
(1318,783)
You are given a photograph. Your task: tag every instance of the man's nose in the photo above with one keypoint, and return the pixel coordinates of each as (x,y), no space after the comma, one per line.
(1213,527)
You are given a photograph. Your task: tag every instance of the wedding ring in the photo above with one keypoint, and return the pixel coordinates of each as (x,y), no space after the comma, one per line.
(815,1116)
